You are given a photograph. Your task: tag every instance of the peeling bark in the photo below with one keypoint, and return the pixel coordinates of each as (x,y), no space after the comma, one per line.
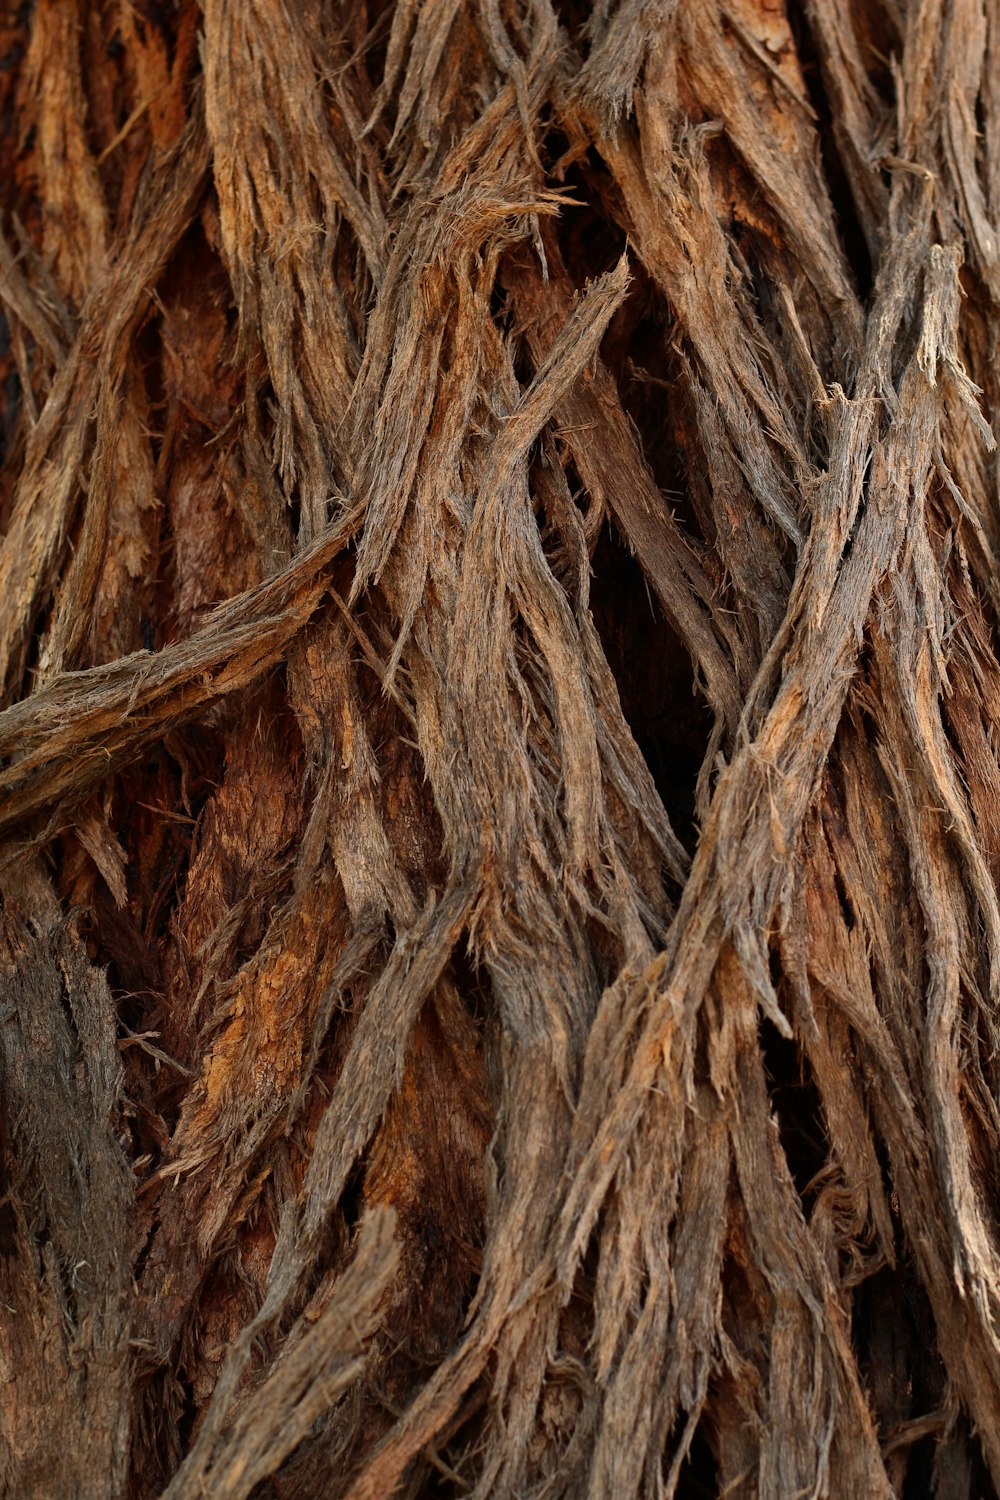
(499,840)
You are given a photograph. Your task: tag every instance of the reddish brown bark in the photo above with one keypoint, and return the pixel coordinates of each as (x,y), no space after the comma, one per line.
(500,943)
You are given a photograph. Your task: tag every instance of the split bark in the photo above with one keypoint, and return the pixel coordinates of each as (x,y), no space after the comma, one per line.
(500,941)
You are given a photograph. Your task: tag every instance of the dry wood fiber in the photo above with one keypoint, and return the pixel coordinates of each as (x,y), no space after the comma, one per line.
(499,785)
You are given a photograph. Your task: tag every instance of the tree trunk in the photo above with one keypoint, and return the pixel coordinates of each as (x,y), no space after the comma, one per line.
(500,938)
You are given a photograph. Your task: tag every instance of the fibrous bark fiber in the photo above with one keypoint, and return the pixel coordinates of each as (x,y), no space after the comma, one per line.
(499,609)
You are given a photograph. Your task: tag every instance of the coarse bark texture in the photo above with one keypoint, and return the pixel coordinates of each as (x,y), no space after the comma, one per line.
(500,939)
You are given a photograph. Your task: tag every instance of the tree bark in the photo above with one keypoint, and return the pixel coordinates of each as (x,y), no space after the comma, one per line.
(500,939)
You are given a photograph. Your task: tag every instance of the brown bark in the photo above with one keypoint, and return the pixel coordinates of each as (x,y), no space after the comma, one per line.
(500,939)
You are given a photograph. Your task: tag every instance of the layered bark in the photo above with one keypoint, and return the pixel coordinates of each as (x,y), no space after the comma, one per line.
(500,943)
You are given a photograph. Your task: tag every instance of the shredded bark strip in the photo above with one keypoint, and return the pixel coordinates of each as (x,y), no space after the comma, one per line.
(499,749)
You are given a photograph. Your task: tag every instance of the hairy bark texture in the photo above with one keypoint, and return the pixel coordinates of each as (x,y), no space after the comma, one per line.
(500,940)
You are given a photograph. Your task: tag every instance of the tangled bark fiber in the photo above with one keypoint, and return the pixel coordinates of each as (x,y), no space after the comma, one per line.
(500,943)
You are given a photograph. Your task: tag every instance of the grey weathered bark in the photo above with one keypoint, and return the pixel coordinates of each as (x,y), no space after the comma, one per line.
(500,943)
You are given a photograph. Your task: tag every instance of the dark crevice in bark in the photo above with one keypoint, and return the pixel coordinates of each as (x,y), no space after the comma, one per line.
(798,1110)
(10,1240)
(699,1474)
(857,254)
(10,393)
(655,681)
(591,238)
(893,1334)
